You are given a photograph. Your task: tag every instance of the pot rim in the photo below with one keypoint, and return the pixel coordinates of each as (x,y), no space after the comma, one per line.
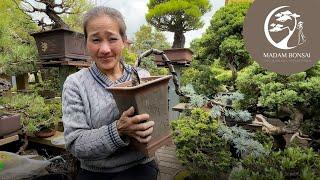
(158,79)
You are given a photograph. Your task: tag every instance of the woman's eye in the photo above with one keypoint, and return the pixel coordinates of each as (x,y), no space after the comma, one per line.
(95,40)
(113,39)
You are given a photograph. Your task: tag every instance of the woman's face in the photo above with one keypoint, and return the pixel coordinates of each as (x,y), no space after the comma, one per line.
(104,42)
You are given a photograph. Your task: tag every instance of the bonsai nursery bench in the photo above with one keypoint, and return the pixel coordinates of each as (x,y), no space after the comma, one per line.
(9,139)
(48,141)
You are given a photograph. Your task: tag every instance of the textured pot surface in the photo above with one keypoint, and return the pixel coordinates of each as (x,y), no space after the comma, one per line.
(150,97)
(176,56)
(60,43)
(9,123)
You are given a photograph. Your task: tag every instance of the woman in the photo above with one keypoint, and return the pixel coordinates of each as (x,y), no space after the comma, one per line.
(95,132)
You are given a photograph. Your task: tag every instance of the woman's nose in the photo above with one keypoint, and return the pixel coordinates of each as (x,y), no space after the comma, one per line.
(104,48)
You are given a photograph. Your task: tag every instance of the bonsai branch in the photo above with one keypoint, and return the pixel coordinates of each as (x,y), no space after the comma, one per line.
(212,102)
(300,136)
(25,144)
(269,128)
(296,116)
(49,10)
(292,127)
(34,9)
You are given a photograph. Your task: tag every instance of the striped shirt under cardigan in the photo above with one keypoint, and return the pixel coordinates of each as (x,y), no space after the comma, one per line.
(89,114)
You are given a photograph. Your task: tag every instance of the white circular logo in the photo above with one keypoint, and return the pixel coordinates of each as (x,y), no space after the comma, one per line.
(287,23)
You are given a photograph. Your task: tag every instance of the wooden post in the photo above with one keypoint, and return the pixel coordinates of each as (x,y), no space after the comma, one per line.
(22,81)
(64,72)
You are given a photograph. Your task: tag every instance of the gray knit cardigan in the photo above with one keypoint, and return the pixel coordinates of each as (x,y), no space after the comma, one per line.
(89,114)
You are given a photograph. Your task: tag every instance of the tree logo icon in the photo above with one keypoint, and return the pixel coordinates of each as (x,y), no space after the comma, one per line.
(287,24)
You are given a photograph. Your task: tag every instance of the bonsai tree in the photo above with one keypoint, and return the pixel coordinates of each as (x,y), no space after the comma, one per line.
(220,53)
(177,17)
(36,114)
(210,149)
(223,39)
(292,163)
(206,145)
(53,10)
(293,98)
(17,48)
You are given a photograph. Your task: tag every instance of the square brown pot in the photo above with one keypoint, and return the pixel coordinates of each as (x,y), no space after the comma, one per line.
(151,98)
(60,43)
(9,123)
(176,56)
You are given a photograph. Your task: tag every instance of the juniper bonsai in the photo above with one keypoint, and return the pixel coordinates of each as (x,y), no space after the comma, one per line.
(294,98)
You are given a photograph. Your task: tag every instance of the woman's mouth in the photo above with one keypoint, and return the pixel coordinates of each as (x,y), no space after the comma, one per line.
(106,58)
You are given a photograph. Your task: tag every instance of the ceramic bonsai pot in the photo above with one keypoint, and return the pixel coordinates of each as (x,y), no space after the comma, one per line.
(176,56)
(45,133)
(9,123)
(150,97)
(60,44)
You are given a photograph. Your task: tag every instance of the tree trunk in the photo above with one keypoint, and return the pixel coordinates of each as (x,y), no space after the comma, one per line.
(179,40)
(296,117)
(58,22)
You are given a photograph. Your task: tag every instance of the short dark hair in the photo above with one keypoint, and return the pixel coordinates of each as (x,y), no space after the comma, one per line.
(110,12)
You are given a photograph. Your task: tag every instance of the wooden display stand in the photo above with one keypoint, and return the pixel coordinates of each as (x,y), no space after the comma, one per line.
(8,139)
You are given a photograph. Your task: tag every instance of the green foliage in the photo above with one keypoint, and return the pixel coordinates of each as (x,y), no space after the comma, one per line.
(35,112)
(220,53)
(78,8)
(271,90)
(233,54)
(146,38)
(242,141)
(227,22)
(199,148)
(17,48)
(129,57)
(195,99)
(202,79)
(178,16)
(292,163)
(223,40)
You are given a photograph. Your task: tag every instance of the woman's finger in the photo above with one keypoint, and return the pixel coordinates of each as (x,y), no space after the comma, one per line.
(142,140)
(142,126)
(129,112)
(145,133)
(140,118)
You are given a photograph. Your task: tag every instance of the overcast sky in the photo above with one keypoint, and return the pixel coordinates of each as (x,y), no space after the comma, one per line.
(134,13)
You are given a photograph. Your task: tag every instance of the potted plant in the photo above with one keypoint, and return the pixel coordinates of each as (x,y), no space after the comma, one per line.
(36,114)
(59,42)
(177,20)
(148,95)
(176,55)
(47,89)
(9,123)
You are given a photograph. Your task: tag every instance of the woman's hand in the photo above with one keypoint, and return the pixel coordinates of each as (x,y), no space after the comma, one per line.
(138,126)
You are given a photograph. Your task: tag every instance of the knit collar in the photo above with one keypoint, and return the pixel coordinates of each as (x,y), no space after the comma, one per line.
(104,80)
